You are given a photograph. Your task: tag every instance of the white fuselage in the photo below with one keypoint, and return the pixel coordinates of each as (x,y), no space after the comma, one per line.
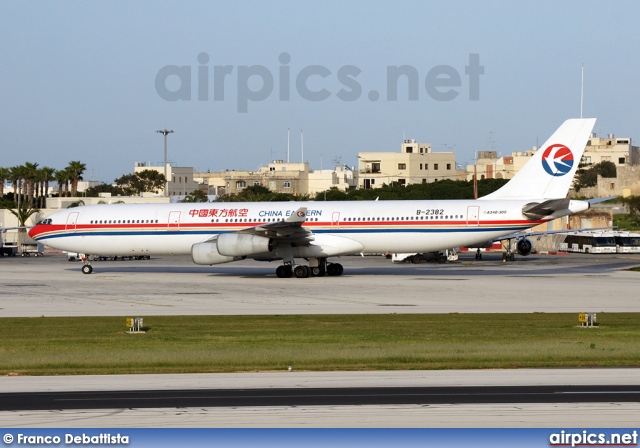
(377,226)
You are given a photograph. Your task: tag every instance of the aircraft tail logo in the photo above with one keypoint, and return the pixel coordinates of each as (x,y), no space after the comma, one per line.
(557,160)
(549,173)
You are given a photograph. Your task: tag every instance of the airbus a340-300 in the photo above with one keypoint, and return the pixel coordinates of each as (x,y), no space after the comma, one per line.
(216,233)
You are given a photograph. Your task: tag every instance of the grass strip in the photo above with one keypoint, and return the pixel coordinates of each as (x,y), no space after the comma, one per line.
(189,344)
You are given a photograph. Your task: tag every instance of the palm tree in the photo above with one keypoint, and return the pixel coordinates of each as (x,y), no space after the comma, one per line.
(62,177)
(16,177)
(4,175)
(75,169)
(76,204)
(23,213)
(30,174)
(48,174)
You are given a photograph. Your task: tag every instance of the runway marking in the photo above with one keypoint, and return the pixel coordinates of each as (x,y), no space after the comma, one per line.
(196,293)
(25,286)
(441,279)
(391,304)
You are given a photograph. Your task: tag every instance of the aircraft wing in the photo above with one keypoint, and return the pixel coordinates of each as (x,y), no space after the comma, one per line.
(4,229)
(289,230)
(524,235)
(518,235)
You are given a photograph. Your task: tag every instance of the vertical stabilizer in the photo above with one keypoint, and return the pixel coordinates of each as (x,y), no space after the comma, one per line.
(549,173)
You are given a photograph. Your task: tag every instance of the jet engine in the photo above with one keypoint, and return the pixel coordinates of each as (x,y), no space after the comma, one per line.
(524,246)
(242,244)
(207,254)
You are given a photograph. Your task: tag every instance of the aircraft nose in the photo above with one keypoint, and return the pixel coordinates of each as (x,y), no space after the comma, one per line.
(35,230)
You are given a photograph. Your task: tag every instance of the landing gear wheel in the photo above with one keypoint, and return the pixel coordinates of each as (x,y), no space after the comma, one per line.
(87,269)
(512,257)
(334,269)
(301,271)
(318,272)
(283,271)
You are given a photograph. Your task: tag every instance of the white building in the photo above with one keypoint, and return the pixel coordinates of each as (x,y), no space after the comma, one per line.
(416,163)
(280,177)
(617,150)
(180,180)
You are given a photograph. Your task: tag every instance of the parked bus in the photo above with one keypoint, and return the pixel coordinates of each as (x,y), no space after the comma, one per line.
(627,242)
(590,243)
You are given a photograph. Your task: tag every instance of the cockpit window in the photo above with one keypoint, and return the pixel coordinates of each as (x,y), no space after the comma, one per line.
(46,221)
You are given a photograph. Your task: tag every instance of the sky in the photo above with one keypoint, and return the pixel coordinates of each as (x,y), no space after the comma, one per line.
(94,81)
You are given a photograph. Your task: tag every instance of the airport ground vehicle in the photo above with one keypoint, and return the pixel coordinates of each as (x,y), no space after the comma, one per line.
(74,256)
(627,242)
(442,256)
(35,249)
(590,243)
(8,249)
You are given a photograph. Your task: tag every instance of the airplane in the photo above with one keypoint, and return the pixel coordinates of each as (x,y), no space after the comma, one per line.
(214,233)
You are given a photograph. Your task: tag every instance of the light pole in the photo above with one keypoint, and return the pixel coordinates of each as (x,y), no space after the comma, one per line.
(166,181)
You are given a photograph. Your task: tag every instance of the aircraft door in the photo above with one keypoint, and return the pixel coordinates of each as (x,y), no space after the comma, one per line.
(335,220)
(473,216)
(174,221)
(72,219)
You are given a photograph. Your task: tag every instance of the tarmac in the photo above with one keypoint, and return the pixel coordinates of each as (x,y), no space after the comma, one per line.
(52,286)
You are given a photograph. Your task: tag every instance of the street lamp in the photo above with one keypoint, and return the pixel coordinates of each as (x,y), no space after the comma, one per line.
(166,181)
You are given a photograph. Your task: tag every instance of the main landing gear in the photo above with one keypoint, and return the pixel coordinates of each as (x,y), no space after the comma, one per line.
(323,268)
(508,255)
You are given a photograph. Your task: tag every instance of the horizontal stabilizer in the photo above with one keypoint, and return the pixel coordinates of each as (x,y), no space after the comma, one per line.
(554,208)
(598,200)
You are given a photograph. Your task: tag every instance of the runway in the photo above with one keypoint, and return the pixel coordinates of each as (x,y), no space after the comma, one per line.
(460,398)
(51,286)
(351,396)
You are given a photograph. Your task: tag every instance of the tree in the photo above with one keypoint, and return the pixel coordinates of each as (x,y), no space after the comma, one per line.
(4,175)
(94,192)
(62,177)
(606,169)
(77,203)
(75,170)
(589,177)
(633,203)
(141,182)
(23,213)
(30,174)
(332,194)
(17,177)
(196,196)
(48,175)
